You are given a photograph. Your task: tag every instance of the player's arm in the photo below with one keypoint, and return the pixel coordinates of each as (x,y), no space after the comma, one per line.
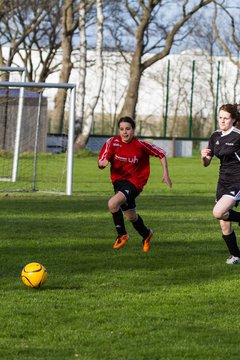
(165,177)
(105,154)
(103,163)
(206,156)
(154,150)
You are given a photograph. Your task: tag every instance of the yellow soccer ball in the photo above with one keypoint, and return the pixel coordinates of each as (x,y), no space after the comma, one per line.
(34,275)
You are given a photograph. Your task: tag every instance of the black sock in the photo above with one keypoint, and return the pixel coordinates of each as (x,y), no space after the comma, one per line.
(140,227)
(233,216)
(231,243)
(119,222)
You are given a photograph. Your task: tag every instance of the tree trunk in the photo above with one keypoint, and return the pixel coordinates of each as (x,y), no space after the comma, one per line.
(4,75)
(80,101)
(131,98)
(82,138)
(57,119)
(137,65)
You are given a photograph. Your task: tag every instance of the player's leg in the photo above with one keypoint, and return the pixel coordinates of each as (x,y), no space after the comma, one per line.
(229,237)
(227,197)
(116,201)
(137,222)
(232,214)
(223,208)
(114,205)
(140,227)
(223,211)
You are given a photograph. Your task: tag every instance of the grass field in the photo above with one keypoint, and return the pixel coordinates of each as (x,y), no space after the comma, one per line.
(179,301)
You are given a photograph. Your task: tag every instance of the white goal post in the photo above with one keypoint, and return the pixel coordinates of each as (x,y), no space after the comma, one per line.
(70,145)
(19,117)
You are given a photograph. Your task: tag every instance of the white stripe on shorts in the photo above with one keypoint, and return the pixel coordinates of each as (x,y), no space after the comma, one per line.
(237,196)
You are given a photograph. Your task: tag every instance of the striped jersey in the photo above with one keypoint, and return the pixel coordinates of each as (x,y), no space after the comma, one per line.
(227,148)
(130,161)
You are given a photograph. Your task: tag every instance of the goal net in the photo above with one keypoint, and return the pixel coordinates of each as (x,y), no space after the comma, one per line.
(32,159)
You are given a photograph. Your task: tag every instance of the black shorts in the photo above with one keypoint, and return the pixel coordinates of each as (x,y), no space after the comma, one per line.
(130,192)
(232,190)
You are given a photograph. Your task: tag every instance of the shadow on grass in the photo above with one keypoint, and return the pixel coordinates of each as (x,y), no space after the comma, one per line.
(12,205)
(168,263)
(74,241)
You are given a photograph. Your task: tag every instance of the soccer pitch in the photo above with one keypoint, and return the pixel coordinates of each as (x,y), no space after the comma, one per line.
(179,301)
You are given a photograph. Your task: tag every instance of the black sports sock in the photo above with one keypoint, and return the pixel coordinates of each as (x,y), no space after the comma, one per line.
(233,216)
(231,243)
(140,227)
(119,222)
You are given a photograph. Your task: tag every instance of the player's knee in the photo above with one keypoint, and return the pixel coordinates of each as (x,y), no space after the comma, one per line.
(131,217)
(216,214)
(219,214)
(113,206)
(110,205)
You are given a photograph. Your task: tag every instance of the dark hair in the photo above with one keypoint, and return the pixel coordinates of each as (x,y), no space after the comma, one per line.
(127,119)
(234,111)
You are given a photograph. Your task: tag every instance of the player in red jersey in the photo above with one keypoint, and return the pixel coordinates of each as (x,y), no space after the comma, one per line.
(130,169)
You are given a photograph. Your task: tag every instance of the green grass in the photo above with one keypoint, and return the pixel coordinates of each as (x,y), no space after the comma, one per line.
(179,301)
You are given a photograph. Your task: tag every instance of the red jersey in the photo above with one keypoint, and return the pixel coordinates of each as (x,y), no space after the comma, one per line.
(130,161)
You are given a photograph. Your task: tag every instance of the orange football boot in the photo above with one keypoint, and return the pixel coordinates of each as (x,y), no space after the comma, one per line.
(146,242)
(121,241)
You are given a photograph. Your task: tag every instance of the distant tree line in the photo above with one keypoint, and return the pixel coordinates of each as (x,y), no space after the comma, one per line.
(135,28)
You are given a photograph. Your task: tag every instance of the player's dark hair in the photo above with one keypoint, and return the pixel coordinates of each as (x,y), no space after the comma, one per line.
(234,111)
(127,119)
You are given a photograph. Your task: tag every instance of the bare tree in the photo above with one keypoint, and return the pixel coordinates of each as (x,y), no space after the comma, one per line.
(146,21)
(68,27)
(84,8)
(143,27)
(80,101)
(82,137)
(204,39)
(230,40)
(138,64)
(27,29)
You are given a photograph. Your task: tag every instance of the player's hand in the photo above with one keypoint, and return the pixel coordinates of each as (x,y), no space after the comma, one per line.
(166,179)
(206,153)
(206,156)
(103,163)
